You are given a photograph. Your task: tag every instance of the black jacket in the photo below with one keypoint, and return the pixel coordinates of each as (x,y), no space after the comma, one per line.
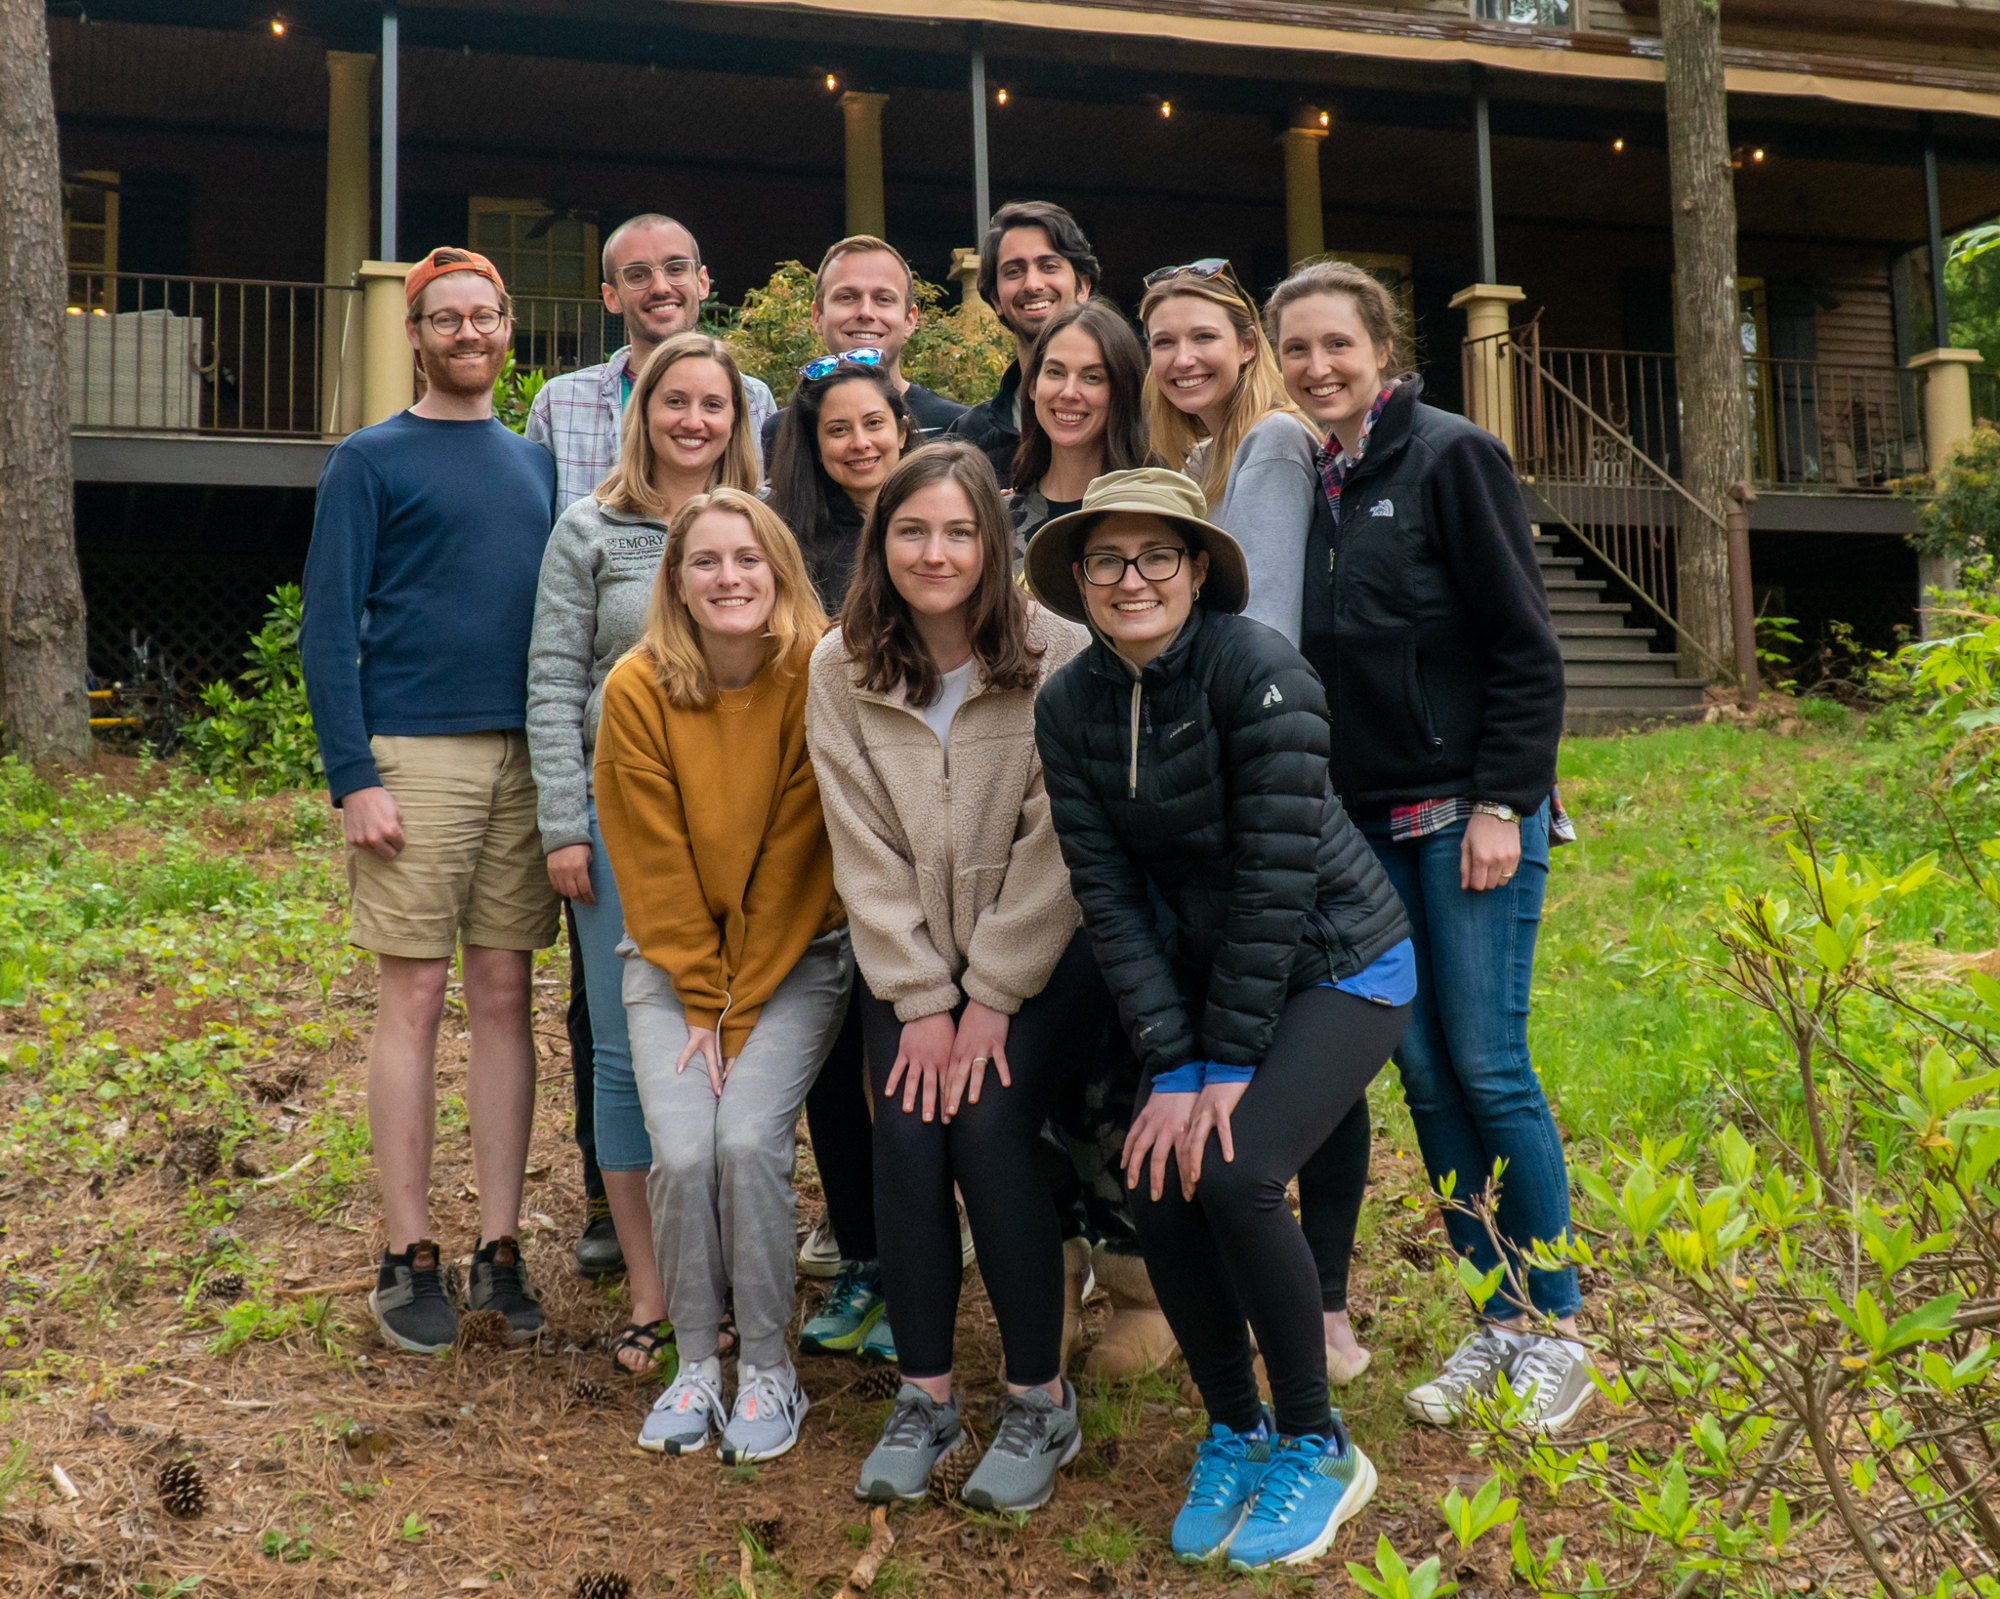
(990,427)
(1201,787)
(1426,617)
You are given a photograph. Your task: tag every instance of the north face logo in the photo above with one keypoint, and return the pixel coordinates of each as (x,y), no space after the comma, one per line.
(1273,697)
(1381,508)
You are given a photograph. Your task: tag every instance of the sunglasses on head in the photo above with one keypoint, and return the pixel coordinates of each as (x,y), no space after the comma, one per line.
(1209,266)
(813,371)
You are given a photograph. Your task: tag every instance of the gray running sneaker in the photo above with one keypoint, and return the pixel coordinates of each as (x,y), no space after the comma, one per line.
(1470,1373)
(409,1301)
(499,1281)
(683,1417)
(920,1433)
(770,1408)
(1032,1437)
(1551,1378)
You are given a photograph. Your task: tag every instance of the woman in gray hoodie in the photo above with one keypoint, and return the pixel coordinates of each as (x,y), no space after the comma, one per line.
(687,430)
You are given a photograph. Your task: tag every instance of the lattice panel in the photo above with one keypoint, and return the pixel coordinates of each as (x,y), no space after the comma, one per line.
(199,608)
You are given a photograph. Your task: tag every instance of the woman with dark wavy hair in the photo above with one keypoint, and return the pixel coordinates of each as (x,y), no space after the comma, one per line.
(921,722)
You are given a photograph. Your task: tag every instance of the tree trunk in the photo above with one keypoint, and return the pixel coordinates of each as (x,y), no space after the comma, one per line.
(1707,345)
(43,712)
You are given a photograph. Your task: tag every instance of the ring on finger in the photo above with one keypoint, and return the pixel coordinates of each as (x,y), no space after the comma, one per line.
(982,1060)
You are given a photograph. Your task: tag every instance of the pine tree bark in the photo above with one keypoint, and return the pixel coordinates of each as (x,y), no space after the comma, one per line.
(43,712)
(1708,348)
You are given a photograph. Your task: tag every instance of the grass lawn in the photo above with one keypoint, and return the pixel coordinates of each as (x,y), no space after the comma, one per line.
(189,1225)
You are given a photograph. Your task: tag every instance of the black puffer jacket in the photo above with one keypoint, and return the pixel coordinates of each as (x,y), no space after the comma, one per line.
(989,426)
(1207,789)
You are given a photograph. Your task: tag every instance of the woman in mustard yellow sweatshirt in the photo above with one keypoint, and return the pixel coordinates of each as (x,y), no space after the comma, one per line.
(737,965)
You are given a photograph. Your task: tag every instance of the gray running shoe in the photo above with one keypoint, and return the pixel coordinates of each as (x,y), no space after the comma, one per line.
(770,1408)
(920,1433)
(499,1281)
(683,1417)
(1032,1437)
(409,1301)
(1469,1375)
(1551,1378)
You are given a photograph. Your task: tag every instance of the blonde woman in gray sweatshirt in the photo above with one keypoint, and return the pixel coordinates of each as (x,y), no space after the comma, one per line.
(687,430)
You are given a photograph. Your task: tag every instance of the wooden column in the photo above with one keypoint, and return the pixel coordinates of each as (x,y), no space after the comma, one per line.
(347,72)
(388,379)
(1489,378)
(866,211)
(1947,420)
(972,310)
(1305,216)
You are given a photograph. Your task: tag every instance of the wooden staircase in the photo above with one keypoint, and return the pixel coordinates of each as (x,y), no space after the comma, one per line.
(1613,677)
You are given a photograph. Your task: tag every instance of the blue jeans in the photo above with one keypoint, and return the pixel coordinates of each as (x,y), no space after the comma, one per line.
(620,1125)
(1472,1090)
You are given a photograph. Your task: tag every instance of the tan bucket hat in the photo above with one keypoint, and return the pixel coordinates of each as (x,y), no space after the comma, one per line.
(1175,499)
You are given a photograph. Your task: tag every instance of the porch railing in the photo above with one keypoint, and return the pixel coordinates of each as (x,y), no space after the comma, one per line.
(556,336)
(1985,395)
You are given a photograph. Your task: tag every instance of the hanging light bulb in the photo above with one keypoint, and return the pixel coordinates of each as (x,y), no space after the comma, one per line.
(832,83)
(1326,119)
(1002,96)
(1618,144)
(1756,155)
(1166,108)
(277,27)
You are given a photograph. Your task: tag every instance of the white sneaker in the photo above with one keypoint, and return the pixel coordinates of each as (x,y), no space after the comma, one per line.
(770,1409)
(819,1255)
(1469,1375)
(683,1417)
(1551,1378)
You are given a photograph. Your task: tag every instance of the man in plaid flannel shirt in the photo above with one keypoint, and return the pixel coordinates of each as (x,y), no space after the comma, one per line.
(654,279)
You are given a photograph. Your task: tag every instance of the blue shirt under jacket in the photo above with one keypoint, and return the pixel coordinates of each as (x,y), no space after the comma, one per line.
(420,585)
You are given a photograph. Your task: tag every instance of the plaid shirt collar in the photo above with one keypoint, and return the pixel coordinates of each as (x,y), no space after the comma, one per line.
(1335,463)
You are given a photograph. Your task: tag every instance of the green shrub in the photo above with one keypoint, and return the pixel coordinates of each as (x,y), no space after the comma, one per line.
(263,740)
(514,393)
(1960,516)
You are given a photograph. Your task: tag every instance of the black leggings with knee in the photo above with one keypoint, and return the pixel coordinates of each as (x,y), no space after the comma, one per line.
(1234,1251)
(990,1151)
(843,1149)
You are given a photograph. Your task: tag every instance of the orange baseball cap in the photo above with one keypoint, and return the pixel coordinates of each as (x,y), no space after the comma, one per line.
(447,258)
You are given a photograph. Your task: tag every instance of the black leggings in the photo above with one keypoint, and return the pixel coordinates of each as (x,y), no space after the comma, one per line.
(1235,1251)
(990,1150)
(843,1145)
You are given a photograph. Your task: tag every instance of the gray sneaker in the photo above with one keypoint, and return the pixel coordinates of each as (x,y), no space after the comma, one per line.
(770,1409)
(683,1417)
(1469,1375)
(920,1433)
(409,1301)
(499,1281)
(1032,1437)
(1551,1378)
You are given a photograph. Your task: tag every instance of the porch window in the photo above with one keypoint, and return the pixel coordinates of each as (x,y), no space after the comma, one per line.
(90,234)
(1527,13)
(538,251)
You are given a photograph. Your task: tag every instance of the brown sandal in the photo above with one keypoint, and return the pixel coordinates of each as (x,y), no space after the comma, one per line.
(654,1340)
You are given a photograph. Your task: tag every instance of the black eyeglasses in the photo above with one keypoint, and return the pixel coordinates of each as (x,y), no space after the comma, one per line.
(1106,568)
(486,319)
(1209,266)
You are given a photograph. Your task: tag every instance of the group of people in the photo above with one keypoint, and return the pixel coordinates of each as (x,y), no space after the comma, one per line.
(1069,802)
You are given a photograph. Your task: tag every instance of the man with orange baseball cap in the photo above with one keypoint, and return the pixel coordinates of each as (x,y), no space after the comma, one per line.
(419,596)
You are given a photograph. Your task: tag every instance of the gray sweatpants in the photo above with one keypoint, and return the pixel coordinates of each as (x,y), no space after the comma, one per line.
(721,1185)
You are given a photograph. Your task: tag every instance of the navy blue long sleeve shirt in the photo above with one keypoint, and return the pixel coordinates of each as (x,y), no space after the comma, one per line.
(420,585)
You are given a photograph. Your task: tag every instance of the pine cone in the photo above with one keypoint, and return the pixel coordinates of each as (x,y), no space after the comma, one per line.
(226,1286)
(589,1391)
(1418,1253)
(602,1585)
(949,1475)
(483,1329)
(182,1489)
(195,1154)
(879,1382)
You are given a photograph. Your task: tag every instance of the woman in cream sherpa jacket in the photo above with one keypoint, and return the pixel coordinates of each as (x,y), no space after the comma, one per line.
(982,993)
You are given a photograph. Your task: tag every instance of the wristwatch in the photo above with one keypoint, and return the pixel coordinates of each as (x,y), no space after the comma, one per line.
(1506,813)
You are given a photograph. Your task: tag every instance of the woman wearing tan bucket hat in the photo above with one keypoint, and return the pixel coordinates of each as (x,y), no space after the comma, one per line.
(1186,760)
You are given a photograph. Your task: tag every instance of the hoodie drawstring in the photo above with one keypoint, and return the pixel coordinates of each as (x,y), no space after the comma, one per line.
(1132,791)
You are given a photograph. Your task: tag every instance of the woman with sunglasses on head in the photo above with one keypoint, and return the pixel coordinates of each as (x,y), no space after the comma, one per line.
(1215,404)
(1083,415)
(1261,964)
(737,968)
(837,443)
(1433,637)
(978,983)
(687,430)
(838,440)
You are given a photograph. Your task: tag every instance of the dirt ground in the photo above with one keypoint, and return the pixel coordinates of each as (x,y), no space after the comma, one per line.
(335,1465)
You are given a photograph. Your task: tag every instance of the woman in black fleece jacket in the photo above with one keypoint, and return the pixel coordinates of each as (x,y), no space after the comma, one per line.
(1261,965)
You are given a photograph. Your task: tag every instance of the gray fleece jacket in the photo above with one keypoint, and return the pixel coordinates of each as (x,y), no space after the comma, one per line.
(1267,508)
(597,577)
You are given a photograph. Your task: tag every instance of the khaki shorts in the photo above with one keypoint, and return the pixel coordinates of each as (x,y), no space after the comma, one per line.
(472,863)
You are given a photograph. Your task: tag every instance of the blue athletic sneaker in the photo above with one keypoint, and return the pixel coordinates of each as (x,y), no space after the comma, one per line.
(1223,1477)
(852,1306)
(879,1345)
(1310,1487)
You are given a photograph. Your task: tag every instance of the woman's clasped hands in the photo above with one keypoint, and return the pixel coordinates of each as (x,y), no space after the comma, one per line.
(1179,1124)
(939,1061)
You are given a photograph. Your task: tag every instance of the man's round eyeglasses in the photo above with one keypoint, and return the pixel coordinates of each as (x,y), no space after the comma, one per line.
(486,319)
(676,269)
(1106,568)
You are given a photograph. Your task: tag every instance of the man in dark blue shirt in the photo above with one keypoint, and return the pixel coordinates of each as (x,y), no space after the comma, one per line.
(419,597)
